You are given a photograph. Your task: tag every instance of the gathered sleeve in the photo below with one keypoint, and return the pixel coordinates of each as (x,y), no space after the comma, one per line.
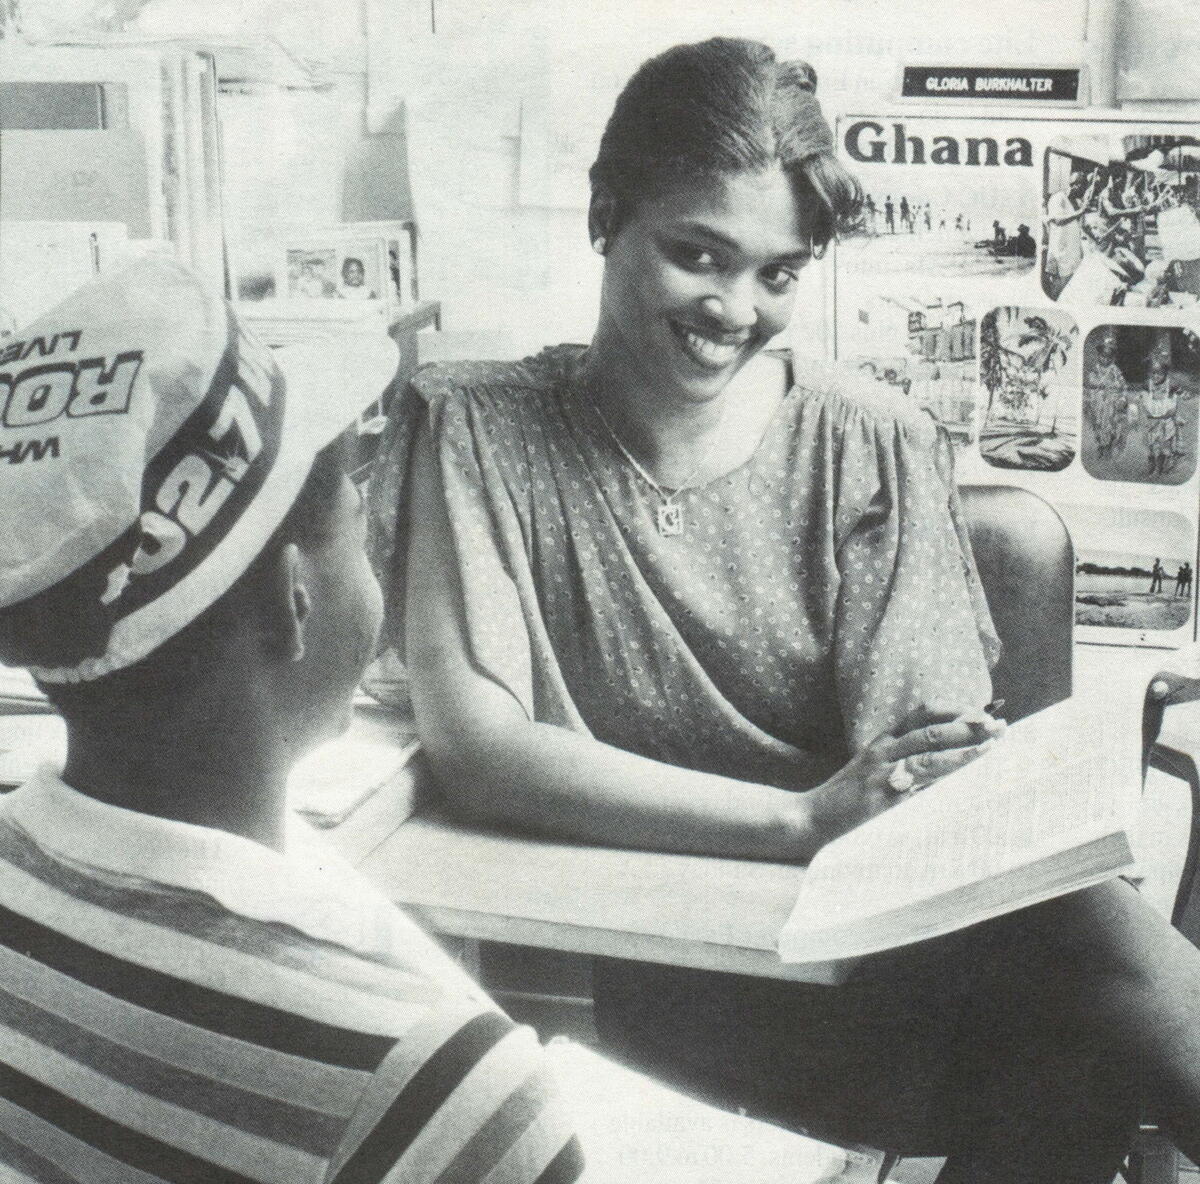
(912,635)
(470,422)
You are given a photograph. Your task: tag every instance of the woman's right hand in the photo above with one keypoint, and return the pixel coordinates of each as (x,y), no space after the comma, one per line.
(890,768)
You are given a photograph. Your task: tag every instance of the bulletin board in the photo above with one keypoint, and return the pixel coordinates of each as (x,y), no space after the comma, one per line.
(1035,283)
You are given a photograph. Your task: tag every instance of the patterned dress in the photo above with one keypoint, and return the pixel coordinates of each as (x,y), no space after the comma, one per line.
(1106,394)
(1160,401)
(821,593)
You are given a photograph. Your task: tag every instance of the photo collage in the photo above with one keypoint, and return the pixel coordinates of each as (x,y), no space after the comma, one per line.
(1034,283)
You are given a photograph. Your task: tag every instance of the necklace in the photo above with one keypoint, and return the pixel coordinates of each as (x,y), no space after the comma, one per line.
(669,516)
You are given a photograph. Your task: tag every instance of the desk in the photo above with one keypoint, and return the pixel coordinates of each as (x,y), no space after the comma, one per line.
(718,914)
(681,910)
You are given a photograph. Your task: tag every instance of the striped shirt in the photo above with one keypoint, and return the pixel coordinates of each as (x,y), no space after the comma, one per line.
(181,1004)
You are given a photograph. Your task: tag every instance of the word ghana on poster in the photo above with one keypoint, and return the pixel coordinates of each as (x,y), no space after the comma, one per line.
(1034,283)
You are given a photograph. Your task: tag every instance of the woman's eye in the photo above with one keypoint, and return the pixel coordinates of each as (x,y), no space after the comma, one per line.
(696,258)
(779,279)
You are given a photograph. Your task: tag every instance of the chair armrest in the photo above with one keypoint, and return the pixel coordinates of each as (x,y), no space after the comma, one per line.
(1177,752)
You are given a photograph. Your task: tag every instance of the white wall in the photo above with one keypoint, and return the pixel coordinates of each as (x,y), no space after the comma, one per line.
(498,264)
(466,80)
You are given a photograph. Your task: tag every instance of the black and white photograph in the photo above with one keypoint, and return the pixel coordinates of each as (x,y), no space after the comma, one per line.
(350,269)
(928,357)
(941,198)
(701,688)
(1134,568)
(1120,223)
(311,271)
(1141,395)
(1028,367)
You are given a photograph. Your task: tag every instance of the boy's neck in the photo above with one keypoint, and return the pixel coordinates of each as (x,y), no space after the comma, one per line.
(222,771)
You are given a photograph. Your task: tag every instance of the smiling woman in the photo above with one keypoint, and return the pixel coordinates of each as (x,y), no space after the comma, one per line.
(672,591)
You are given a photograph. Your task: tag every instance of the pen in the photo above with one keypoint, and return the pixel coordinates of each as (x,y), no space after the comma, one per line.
(994,708)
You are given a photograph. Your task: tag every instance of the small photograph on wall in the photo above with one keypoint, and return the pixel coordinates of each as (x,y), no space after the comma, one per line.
(1134,567)
(312,271)
(1028,373)
(342,268)
(1141,395)
(925,349)
(1120,222)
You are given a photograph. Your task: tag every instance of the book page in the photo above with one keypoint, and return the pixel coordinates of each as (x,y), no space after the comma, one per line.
(1064,777)
(332,781)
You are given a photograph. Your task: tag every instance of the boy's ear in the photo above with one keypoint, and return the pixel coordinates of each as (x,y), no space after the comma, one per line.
(287,605)
(602,217)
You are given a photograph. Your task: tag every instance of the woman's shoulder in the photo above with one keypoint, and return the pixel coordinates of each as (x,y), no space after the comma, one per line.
(853,400)
(497,383)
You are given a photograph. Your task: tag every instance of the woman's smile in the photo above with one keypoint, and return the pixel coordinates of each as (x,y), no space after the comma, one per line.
(698,280)
(708,350)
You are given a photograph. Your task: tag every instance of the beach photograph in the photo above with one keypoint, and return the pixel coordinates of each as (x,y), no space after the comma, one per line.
(974,214)
(1141,394)
(1028,369)
(950,217)
(1134,568)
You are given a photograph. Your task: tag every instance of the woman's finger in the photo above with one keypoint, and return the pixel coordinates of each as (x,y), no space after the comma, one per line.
(928,767)
(962,732)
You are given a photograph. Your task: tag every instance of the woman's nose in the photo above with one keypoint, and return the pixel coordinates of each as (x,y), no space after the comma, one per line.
(734,307)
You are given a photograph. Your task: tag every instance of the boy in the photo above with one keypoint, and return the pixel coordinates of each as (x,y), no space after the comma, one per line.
(186,994)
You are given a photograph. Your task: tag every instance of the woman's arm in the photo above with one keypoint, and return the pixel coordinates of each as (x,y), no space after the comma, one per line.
(1073,215)
(495,764)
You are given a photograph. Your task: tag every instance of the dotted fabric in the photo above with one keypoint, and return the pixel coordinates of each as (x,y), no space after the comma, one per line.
(821,593)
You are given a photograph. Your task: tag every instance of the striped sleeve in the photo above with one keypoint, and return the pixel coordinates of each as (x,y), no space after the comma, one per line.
(464,1098)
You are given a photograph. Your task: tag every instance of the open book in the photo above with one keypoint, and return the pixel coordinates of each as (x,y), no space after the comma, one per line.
(1045,813)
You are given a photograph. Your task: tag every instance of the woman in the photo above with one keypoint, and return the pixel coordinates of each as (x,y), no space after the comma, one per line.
(652,588)
(1160,403)
(1106,396)
(1110,229)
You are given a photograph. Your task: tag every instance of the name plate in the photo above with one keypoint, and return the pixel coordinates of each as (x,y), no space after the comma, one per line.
(1007,84)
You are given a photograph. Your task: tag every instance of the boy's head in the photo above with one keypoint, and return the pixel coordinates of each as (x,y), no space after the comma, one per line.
(165,482)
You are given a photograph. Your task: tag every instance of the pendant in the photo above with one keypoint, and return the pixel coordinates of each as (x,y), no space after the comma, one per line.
(670,518)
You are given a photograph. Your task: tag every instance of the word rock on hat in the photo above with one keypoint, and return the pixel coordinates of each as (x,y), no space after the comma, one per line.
(149,447)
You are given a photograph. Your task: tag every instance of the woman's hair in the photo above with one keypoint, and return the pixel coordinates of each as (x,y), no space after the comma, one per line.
(723,106)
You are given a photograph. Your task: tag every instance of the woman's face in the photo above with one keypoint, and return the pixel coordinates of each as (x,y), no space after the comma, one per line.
(698,280)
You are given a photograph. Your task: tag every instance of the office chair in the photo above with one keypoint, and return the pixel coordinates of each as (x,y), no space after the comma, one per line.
(1026,564)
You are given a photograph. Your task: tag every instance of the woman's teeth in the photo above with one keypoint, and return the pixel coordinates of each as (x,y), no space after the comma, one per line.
(711,353)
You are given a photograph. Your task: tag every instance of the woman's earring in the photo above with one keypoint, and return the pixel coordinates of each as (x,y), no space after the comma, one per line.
(599,244)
